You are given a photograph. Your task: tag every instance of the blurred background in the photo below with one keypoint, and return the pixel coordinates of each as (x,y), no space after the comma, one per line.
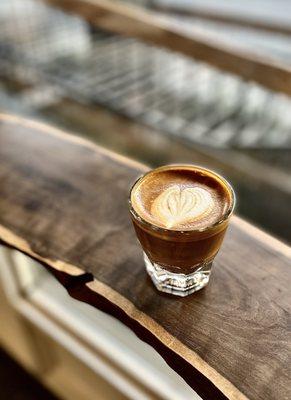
(206,82)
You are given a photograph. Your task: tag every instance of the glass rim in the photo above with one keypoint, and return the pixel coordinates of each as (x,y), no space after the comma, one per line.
(157,228)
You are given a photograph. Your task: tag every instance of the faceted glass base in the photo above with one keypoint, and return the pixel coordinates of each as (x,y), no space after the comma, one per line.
(178,284)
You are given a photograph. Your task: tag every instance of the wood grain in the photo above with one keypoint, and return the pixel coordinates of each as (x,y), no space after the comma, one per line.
(63,201)
(133,21)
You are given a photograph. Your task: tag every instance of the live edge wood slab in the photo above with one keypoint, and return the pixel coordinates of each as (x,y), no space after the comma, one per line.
(63,201)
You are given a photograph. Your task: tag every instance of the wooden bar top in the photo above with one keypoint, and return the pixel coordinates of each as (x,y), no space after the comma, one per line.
(63,201)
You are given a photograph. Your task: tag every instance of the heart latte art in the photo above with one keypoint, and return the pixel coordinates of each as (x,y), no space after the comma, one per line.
(176,206)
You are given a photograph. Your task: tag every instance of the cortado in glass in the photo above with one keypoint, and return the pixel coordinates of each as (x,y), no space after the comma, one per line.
(180,214)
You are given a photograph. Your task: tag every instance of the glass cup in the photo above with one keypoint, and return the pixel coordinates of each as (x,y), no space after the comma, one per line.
(180,262)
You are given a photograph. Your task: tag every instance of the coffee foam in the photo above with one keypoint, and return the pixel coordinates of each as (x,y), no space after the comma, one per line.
(176,206)
(180,198)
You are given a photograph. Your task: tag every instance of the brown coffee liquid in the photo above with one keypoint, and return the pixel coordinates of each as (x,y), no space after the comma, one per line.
(181,198)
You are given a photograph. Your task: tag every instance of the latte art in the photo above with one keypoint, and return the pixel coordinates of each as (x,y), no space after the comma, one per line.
(181,198)
(176,206)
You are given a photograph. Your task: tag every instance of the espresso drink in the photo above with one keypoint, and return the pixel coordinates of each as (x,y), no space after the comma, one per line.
(180,214)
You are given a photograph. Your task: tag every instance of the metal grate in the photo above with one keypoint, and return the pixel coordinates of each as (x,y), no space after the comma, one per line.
(47,49)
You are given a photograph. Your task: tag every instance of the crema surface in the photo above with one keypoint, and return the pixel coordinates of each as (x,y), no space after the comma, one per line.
(181,198)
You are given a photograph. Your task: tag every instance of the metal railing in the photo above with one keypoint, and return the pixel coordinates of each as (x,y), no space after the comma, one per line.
(56,55)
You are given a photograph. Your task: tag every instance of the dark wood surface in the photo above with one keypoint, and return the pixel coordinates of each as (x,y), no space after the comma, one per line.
(63,201)
(149,27)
